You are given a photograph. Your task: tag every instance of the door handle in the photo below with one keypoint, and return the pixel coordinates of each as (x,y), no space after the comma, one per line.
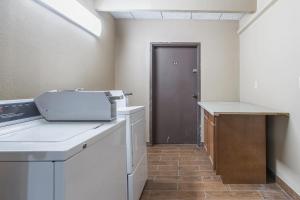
(195,96)
(128,94)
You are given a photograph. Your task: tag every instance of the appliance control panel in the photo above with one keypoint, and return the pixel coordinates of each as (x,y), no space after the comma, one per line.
(17,111)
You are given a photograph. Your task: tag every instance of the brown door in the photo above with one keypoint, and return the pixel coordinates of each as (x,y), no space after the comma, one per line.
(174,97)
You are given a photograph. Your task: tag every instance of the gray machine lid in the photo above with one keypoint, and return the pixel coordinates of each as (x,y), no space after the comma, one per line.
(20,111)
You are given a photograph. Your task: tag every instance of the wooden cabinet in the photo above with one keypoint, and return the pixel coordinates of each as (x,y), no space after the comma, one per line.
(235,138)
(236,145)
(241,149)
(209,137)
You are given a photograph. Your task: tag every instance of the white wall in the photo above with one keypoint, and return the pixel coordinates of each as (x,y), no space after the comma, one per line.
(219,57)
(269,53)
(40,50)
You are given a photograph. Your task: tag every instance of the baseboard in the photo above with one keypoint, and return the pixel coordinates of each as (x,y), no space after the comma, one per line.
(149,144)
(284,186)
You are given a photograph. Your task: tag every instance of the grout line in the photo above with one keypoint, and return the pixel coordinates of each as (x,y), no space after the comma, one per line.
(132,15)
(201,179)
(229,188)
(260,194)
(178,168)
(178,173)
(220,16)
(150,194)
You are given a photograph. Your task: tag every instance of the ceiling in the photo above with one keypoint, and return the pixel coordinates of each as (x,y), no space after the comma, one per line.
(168,15)
(214,6)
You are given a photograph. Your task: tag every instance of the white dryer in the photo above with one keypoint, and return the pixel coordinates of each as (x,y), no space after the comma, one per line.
(41,160)
(137,168)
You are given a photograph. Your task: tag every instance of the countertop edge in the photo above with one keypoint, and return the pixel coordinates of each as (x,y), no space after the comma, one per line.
(214,113)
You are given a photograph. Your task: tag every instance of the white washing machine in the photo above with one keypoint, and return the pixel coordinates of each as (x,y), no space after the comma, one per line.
(42,160)
(137,168)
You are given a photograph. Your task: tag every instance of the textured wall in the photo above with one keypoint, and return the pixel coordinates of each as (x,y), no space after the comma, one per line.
(219,55)
(41,51)
(269,55)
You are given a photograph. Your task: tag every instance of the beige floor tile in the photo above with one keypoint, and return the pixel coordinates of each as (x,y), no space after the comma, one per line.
(193,158)
(145,195)
(153,158)
(211,179)
(197,162)
(153,167)
(196,173)
(190,195)
(153,185)
(190,179)
(163,173)
(184,172)
(257,187)
(274,195)
(205,167)
(169,157)
(168,179)
(169,162)
(229,195)
(189,167)
(202,187)
(167,167)
(152,150)
(176,195)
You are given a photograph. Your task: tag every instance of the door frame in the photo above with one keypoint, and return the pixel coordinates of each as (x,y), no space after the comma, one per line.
(154,45)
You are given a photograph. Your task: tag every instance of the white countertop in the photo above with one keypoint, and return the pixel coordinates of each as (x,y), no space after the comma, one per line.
(129,110)
(39,140)
(219,108)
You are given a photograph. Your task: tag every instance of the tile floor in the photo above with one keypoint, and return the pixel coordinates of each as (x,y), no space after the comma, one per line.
(184,172)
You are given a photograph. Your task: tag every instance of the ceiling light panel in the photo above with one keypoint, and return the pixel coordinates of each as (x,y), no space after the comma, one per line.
(147,14)
(177,15)
(232,16)
(206,16)
(122,15)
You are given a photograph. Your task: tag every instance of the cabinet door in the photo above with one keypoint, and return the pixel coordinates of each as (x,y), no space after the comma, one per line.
(211,136)
(206,143)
